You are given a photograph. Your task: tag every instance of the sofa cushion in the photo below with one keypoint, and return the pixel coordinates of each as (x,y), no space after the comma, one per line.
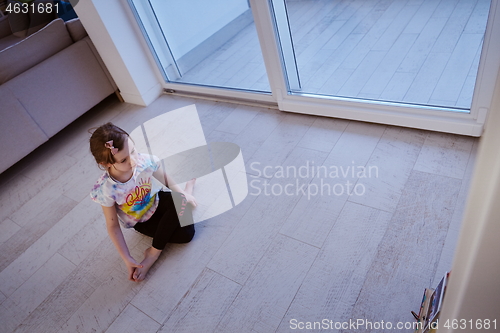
(40,18)
(19,22)
(34,49)
(19,134)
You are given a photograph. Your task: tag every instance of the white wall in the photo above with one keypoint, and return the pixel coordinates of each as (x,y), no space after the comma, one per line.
(114,33)
(186,24)
(474,289)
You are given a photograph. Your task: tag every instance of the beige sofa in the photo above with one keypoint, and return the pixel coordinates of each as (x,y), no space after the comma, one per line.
(47,80)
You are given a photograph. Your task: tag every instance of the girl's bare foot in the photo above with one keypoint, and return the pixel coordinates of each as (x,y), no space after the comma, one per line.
(190,186)
(150,256)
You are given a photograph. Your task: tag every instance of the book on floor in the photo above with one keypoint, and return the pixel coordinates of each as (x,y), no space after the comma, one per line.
(424,309)
(437,298)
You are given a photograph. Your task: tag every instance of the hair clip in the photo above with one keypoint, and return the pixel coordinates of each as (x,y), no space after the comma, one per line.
(109,145)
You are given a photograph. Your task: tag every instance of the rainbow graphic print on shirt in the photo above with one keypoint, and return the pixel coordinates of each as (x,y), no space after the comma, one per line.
(139,200)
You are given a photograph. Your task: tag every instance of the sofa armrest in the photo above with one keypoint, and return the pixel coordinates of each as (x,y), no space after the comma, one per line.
(76,29)
(4,27)
(103,66)
(60,89)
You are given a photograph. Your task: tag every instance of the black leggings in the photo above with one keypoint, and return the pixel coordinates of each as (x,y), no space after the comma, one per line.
(164,226)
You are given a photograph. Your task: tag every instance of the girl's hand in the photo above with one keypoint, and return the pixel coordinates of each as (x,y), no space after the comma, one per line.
(190,199)
(131,267)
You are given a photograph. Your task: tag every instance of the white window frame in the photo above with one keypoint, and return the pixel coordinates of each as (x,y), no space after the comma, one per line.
(391,113)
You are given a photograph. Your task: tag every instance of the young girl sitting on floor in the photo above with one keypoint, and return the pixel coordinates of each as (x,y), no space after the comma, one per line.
(130,194)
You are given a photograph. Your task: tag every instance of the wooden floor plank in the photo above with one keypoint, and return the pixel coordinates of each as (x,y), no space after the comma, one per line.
(258,131)
(409,251)
(479,18)
(28,215)
(237,120)
(444,154)
(421,18)
(422,87)
(326,70)
(78,286)
(204,304)
(398,87)
(454,26)
(131,320)
(398,149)
(445,9)
(34,229)
(347,30)
(420,50)
(9,228)
(281,142)
(21,269)
(45,172)
(243,249)
(397,26)
(11,316)
(467,93)
(321,210)
(381,76)
(264,299)
(333,283)
(313,22)
(78,247)
(373,17)
(450,244)
(217,136)
(336,82)
(323,134)
(311,57)
(13,198)
(455,73)
(210,119)
(111,298)
(247,75)
(354,84)
(301,13)
(41,284)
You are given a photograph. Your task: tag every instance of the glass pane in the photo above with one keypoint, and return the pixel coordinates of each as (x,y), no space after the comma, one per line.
(201,42)
(422,52)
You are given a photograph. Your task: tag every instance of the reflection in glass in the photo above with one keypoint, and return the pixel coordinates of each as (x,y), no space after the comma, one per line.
(420,52)
(201,42)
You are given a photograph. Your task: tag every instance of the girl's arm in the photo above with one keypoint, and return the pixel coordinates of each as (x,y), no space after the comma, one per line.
(169,182)
(116,235)
(160,175)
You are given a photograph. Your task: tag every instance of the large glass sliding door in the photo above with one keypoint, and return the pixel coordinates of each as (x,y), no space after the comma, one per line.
(418,52)
(209,43)
(416,63)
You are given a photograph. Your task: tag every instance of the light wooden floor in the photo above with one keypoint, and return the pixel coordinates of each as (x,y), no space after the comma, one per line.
(252,269)
(413,51)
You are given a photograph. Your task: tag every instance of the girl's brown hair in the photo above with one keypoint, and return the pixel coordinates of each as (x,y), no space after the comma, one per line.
(100,136)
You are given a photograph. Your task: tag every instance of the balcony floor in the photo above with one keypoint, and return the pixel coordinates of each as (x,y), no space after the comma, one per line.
(413,51)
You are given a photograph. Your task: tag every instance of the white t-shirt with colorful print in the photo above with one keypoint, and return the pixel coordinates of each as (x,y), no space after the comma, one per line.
(135,200)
